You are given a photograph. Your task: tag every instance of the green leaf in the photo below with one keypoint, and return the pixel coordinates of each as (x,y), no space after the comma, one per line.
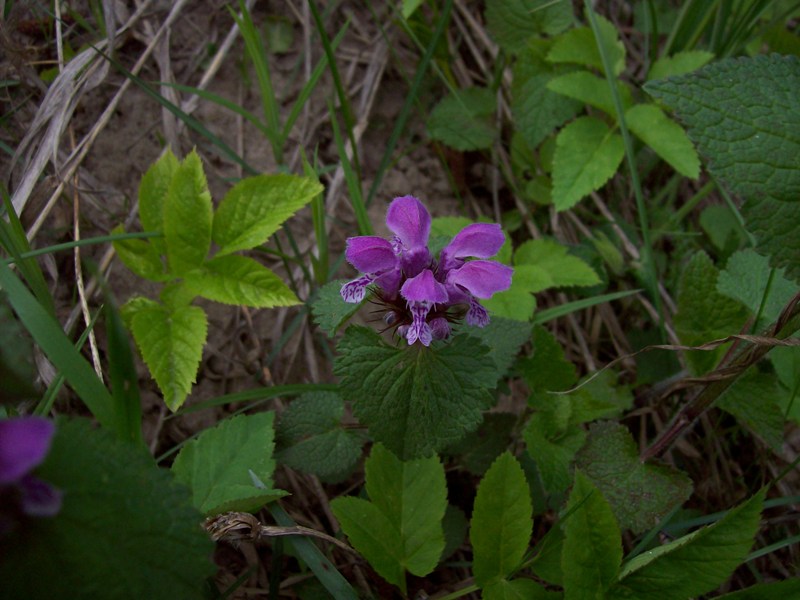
(774,224)
(513,22)
(578,46)
(171,342)
(109,486)
(694,564)
(722,228)
(501,525)
(140,256)
(479,449)
(555,266)
(329,309)
(590,89)
(786,361)
(547,368)
(153,195)
(504,338)
(400,529)
(599,398)
(187,217)
(414,399)
(219,466)
(665,137)
(239,280)
(553,445)
(745,278)
(740,112)
(463,120)
(752,399)
(516,303)
(703,313)
(17,372)
(518,589)
(679,64)
(777,590)
(313,440)
(640,494)
(587,154)
(592,552)
(256,207)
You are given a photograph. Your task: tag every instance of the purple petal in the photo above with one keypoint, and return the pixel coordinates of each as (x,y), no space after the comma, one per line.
(389,282)
(481,240)
(24,442)
(354,291)
(39,498)
(410,221)
(477,314)
(424,288)
(414,261)
(482,278)
(370,254)
(419,329)
(440,328)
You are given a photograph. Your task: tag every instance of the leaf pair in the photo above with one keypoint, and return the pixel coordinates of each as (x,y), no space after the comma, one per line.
(174,201)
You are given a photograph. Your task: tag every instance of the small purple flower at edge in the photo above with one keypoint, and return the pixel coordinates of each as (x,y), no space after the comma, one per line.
(424,295)
(24,444)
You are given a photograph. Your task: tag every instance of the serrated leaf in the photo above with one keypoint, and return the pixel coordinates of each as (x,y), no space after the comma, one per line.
(599,398)
(694,564)
(590,89)
(774,224)
(108,486)
(501,525)
(171,342)
(187,217)
(547,368)
(256,207)
(592,551)
(679,63)
(742,114)
(239,280)
(578,46)
(313,440)
(553,448)
(703,313)
(516,303)
(479,449)
(640,494)
(140,256)
(665,137)
(128,310)
(217,466)
(587,154)
(557,267)
(329,309)
(400,528)
(414,399)
(752,399)
(536,110)
(153,195)
(463,119)
(504,338)
(745,279)
(513,22)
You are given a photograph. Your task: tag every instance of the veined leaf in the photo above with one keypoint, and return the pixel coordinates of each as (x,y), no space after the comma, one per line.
(219,465)
(463,119)
(587,154)
(256,207)
(590,89)
(560,269)
(153,195)
(239,280)
(140,256)
(329,309)
(679,64)
(665,137)
(171,342)
(187,217)
(578,46)
(501,525)
(513,22)
(774,224)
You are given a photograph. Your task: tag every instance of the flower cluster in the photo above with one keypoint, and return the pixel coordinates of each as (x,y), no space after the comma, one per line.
(421,294)
(24,443)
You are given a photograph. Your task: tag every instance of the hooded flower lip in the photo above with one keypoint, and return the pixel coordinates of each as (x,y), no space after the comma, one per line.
(422,294)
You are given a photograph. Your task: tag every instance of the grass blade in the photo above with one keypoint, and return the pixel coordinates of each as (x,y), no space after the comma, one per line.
(543,316)
(351,177)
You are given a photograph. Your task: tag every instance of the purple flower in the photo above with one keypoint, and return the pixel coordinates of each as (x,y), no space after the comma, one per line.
(24,444)
(423,295)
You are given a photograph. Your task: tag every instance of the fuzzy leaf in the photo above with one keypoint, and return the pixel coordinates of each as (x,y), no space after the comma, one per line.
(640,494)
(239,280)
(256,207)
(153,195)
(774,224)
(578,46)
(665,137)
(187,217)
(513,22)
(592,551)
(171,342)
(109,487)
(553,446)
(587,154)
(501,525)
(414,399)
(679,64)
(219,465)
(590,89)
(504,338)
(313,440)
(694,564)
(463,120)
(744,116)
(400,528)
(329,309)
